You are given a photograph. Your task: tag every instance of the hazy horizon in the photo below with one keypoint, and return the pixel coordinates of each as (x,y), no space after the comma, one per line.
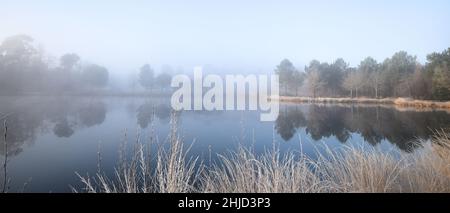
(247,36)
(254,96)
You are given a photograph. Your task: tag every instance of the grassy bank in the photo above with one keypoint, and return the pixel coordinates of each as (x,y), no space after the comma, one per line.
(400,102)
(349,169)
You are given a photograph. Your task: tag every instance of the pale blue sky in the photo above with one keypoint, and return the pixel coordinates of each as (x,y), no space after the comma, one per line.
(233,34)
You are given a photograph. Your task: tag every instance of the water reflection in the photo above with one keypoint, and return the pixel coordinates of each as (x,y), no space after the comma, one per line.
(63,129)
(64,117)
(92,114)
(163,112)
(30,116)
(373,123)
(145,114)
(288,121)
(147,111)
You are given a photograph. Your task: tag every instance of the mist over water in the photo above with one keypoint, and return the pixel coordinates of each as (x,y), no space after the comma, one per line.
(81,80)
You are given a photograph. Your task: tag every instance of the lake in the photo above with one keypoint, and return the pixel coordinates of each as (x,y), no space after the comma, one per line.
(51,138)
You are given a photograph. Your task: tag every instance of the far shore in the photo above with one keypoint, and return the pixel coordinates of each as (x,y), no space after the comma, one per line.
(97,93)
(398,102)
(401,102)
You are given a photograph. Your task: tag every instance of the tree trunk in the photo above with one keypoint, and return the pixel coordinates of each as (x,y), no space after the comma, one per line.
(376,92)
(409,90)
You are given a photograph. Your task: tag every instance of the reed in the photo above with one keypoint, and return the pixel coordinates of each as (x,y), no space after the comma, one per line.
(348,169)
(244,172)
(174,171)
(5,161)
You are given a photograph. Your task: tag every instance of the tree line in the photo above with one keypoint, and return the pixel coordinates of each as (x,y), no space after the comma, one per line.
(24,67)
(398,76)
(149,81)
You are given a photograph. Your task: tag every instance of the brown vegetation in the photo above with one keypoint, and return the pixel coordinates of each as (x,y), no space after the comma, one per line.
(400,102)
(351,169)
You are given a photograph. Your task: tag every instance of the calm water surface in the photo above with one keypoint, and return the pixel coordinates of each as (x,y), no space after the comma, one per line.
(49,139)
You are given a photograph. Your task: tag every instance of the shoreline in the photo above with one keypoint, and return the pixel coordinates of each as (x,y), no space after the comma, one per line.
(90,94)
(399,102)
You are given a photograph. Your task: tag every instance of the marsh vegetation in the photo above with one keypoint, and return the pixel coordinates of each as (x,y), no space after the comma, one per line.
(347,169)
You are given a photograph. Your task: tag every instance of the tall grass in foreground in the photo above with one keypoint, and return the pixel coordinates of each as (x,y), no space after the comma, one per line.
(5,161)
(173,172)
(350,169)
(429,169)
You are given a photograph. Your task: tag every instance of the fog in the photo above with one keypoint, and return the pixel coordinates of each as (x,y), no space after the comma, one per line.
(228,36)
(85,88)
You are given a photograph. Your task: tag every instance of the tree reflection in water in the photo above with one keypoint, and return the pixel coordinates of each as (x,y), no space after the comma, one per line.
(148,111)
(373,123)
(145,114)
(62,116)
(63,129)
(94,113)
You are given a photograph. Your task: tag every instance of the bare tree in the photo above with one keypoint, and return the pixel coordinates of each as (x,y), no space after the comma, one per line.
(314,82)
(354,81)
(375,82)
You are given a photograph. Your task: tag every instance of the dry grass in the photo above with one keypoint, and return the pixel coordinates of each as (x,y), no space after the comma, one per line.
(174,172)
(399,102)
(429,169)
(421,103)
(243,172)
(361,100)
(6,180)
(357,170)
(349,169)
